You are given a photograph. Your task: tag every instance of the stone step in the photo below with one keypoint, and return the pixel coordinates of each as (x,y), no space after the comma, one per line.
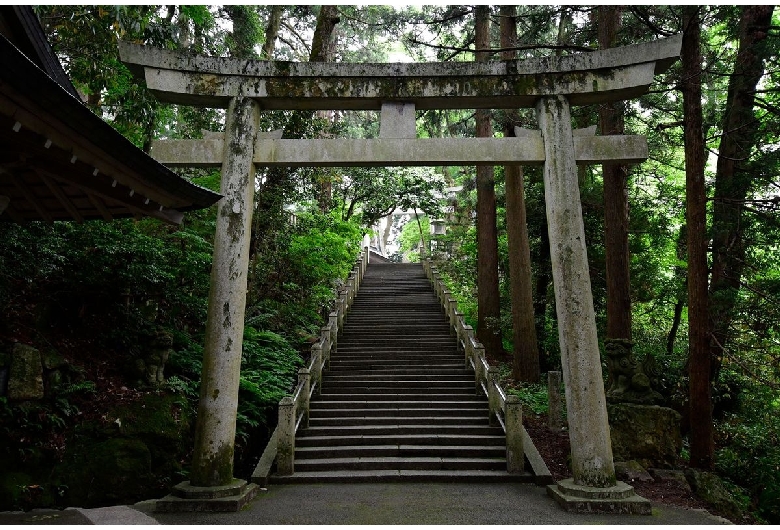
(391,309)
(412,396)
(399,430)
(360,388)
(402,374)
(399,412)
(338,364)
(397,403)
(394,462)
(402,475)
(400,451)
(376,339)
(404,381)
(397,421)
(343,386)
(433,353)
(422,352)
(436,440)
(346,402)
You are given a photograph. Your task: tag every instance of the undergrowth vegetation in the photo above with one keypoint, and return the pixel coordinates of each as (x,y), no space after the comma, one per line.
(97,294)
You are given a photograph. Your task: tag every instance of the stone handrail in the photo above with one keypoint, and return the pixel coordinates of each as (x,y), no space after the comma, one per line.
(294,409)
(504,410)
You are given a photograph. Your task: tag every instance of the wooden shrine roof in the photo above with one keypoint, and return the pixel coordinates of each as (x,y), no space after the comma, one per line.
(59,160)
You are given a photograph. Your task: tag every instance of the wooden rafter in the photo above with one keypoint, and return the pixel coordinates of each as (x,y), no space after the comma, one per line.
(56,190)
(28,195)
(100,206)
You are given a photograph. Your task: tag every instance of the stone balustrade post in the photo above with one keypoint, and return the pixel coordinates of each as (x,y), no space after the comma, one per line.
(351,288)
(347,293)
(452,312)
(479,368)
(316,355)
(285,451)
(304,380)
(327,346)
(333,324)
(555,414)
(468,350)
(494,400)
(445,299)
(513,420)
(342,307)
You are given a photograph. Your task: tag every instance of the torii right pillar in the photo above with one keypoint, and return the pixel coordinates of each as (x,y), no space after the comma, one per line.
(593,486)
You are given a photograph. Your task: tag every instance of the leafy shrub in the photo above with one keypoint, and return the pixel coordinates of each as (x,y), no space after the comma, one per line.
(533,396)
(750,450)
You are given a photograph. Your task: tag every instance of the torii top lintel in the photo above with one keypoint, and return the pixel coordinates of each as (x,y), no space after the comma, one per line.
(587,78)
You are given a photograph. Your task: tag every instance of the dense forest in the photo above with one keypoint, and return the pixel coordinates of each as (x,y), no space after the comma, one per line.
(683,248)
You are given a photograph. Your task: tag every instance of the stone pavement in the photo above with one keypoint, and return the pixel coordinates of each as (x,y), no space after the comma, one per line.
(422,503)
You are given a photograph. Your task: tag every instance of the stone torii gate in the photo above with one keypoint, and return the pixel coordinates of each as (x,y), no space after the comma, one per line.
(551,85)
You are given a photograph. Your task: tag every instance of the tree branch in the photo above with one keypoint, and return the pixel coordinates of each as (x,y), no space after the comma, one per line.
(563,47)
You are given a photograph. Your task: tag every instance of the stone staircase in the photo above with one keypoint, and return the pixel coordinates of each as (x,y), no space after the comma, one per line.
(397,403)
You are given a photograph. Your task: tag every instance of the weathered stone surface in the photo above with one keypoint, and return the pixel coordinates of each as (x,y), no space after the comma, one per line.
(150,367)
(632,471)
(647,433)
(620,498)
(26,375)
(663,51)
(604,75)
(401,151)
(231,497)
(670,475)
(710,488)
(628,382)
(212,463)
(398,120)
(591,448)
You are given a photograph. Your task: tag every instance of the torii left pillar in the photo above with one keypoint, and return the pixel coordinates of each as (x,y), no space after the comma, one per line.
(212,486)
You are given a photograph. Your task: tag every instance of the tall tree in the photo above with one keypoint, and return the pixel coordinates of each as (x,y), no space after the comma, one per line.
(246,32)
(272,32)
(700,394)
(615,198)
(279,181)
(488,297)
(324,50)
(734,176)
(525,352)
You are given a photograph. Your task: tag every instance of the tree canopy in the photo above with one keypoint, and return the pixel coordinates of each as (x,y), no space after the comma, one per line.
(701,249)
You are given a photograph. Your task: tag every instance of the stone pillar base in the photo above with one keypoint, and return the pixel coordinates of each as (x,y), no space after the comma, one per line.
(620,498)
(187,498)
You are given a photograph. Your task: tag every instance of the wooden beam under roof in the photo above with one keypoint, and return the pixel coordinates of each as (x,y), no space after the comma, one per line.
(28,195)
(100,206)
(54,187)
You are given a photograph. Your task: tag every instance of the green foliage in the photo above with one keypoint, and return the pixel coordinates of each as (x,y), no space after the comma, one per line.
(293,281)
(749,453)
(268,367)
(119,282)
(533,396)
(412,238)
